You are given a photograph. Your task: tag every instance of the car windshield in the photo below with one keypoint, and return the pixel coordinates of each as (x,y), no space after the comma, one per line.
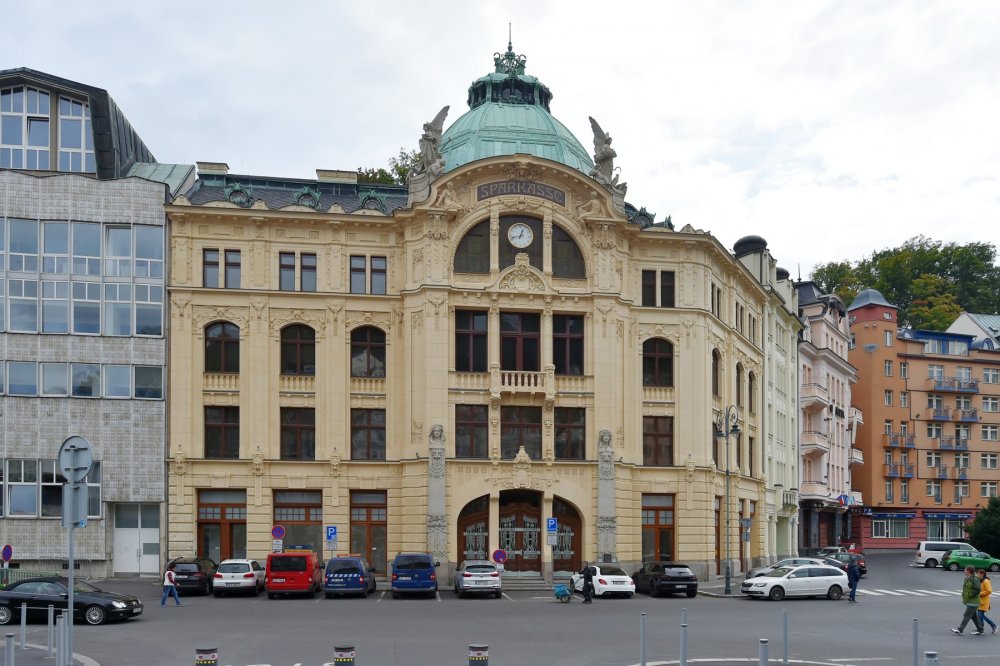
(480,568)
(343,567)
(412,563)
(186,567)
(612,571)
(234,567)
(779,572)
(288,564)
(85,588)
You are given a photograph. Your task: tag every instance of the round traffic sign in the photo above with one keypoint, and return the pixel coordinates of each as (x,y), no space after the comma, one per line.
(75,458)
(8,553)
(278,532)
(499,555)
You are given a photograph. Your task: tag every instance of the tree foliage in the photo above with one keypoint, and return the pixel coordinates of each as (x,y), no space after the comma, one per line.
(930,282)
(399,169)
(984,531)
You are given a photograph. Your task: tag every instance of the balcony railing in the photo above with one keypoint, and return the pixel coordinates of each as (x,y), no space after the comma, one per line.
(814,397)
(941,471)
(814,489)
(790,498)
(814,444)
(961,472)
(967,415)
(656,393)
(857,457)
(297,383)
(221,381)
(941,414)
(891,471)
(959,498)
(584,384)
(937,499)
(898,440)
(523,381)
(952,443)
(470,381)
(908,470)
(954,384)
(368,385)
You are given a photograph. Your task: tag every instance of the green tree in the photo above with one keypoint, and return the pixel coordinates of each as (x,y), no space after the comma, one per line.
(403,164)
(375,176)
(837,277)
(984,531)
(934,304)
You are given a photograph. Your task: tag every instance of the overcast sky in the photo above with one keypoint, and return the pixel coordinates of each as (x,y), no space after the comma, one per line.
(832,129)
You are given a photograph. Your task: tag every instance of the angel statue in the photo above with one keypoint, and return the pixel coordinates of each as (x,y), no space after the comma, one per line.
(431,162)
(604,158)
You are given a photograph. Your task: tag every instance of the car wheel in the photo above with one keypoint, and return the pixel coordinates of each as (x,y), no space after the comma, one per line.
(995,567)
(953,566)
(95,615)
(652,590)
(364,593)
(834,592)
(6,615)
(691,593)
(931,563)
(207,589)
(499,593)
(777,593)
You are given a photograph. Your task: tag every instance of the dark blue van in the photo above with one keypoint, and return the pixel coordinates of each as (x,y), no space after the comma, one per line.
(348,574)
(413,573)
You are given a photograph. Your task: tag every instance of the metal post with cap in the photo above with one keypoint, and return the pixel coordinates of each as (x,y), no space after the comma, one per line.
(343,655)
(206,656)
(726,424)
(76,457)
(479,655)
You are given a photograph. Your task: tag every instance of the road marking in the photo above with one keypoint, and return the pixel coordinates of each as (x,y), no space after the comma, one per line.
(915,593)
(507,595)
(934,593)
(874,594)
(952,592)
(380,597)
(437,595)
(866,659)
(895,594)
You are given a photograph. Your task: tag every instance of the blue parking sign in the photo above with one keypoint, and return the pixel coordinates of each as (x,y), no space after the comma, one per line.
(552,524)
(331,532)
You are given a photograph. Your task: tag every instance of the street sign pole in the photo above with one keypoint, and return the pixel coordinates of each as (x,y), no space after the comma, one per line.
(75,460)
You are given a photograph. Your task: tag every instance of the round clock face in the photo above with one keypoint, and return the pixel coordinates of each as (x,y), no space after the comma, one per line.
(520,235)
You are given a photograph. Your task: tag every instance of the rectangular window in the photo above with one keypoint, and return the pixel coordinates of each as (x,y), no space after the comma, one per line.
(935,401)
(520,343)
(657,528)
(904,369)
(298,433)
(963,373)
(379,275)
(935,372)
(666,289)
(962,460)
(991,403)
(904,491)
(567,344)
(86,380)
(988,489)
(118,252)
(891,529)
(988,460)
(286,271)
(367,434)
(933,459)
(86,248)
(888,490)
(117,381)
(649,288)
(52,482)
(117,309)
(76,138)
(87,307)
(991,433)
(934,489)
(55,306)
(22,253)
(887,368)
(210,269)
(233,269)
(962,433)
(471,432)
(148,309)
(149,382)
(222,432)
(359,267)
(148,251)
(888,398)
(934,430)
(904,399)
(888,338)
(570,433)
(657,440)
(471,340)
(22,488)
(23,298)
(55,247)
(308,278)
(55,379)
(991,375)
(22,378)
(887,426)
(520,426)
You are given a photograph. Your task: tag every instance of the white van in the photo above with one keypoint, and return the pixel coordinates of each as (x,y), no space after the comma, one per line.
(929,553)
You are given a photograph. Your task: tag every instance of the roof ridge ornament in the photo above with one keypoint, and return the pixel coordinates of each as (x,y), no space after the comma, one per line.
(509,63)
(604,164)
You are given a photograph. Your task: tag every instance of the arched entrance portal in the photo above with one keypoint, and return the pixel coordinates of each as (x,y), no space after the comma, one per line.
(473,529)
(566,551)
(520,531)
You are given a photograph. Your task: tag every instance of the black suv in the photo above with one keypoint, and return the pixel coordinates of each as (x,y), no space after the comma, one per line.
(193,574)
(662,578)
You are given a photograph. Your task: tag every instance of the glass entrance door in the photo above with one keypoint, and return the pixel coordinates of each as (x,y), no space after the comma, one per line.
(520,532)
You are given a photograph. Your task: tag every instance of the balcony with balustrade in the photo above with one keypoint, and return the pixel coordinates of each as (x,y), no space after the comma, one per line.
(967,415)
(297,383)
(892,471)
(523,382)
(960,473)
(790,498)
(221,382)
(814,489)
(814,444)
(814,397)
(856,457)
(941,471)
(953,384)
(952,443)
(940,414)
(898,440)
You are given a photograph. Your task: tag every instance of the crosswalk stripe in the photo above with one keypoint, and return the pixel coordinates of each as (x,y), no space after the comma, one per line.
(954,592)
(932,592)
(874,594)
(915,593)
(895,594)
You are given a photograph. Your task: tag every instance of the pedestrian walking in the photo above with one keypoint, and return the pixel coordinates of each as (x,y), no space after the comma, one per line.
(588,582)
(853,578)
(985,590)
(971,588)
(169,587)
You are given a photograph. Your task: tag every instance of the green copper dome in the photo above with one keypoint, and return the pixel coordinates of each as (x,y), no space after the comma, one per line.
(509,113)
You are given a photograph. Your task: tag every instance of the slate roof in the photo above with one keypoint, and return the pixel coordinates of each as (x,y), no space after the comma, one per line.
(990,323)
(278,193)
(174,176)
(869,297)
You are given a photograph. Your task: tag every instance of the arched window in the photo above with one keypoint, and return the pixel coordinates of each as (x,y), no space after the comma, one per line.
(222,347)
(367,352)
(567,260)
(739,384)
(716,369)
(751,387)
(298,350)
(657,363)
(473,254)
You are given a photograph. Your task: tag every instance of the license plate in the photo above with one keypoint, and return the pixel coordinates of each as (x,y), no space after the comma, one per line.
(404,578)
(279,580)
(619,582)
(480,582)
(232,584)
(136,611)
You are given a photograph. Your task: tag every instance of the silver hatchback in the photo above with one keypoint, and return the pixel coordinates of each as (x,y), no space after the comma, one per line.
(478,577)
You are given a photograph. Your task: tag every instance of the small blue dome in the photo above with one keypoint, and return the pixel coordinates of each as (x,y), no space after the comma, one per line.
(869,297)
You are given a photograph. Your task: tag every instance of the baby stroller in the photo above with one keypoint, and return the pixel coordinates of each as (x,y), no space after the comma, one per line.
(563,593)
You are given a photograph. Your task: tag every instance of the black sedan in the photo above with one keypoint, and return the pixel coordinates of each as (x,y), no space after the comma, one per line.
(658,578)
(194,574)
(90,604)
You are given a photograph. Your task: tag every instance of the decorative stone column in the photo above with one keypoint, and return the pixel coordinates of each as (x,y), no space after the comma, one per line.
(437,519)
(607,521)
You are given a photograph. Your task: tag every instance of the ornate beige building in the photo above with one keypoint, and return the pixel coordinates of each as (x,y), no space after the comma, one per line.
(445,367)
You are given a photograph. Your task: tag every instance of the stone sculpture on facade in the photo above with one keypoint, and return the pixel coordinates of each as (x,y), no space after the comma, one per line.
(606,462)
(604,161)
(607,523)
(430,164)
(437,518)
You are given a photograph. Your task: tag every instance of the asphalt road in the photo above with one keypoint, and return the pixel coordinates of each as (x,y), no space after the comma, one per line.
(528,628)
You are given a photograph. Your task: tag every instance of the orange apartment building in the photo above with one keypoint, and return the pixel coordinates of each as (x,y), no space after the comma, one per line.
(931,432)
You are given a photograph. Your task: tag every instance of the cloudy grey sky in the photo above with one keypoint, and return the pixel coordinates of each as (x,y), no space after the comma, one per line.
(832,129)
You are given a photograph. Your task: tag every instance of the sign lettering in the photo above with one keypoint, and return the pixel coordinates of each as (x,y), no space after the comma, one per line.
(525,187)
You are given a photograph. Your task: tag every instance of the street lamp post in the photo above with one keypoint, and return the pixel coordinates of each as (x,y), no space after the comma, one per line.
(726,423)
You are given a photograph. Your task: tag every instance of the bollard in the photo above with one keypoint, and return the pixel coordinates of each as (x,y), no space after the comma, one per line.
(343,655)
(642,639)
(479,655)
(684,645)
(762,652)
(916,650)
(684,616)
(51,629)
(206,656)
(930,659)
(8,650)
(24,625)
(60,657)
(784,657)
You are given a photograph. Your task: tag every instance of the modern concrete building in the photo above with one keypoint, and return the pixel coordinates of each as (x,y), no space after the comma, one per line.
(447,366)
(82,323)
(829,422)
(932,409)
